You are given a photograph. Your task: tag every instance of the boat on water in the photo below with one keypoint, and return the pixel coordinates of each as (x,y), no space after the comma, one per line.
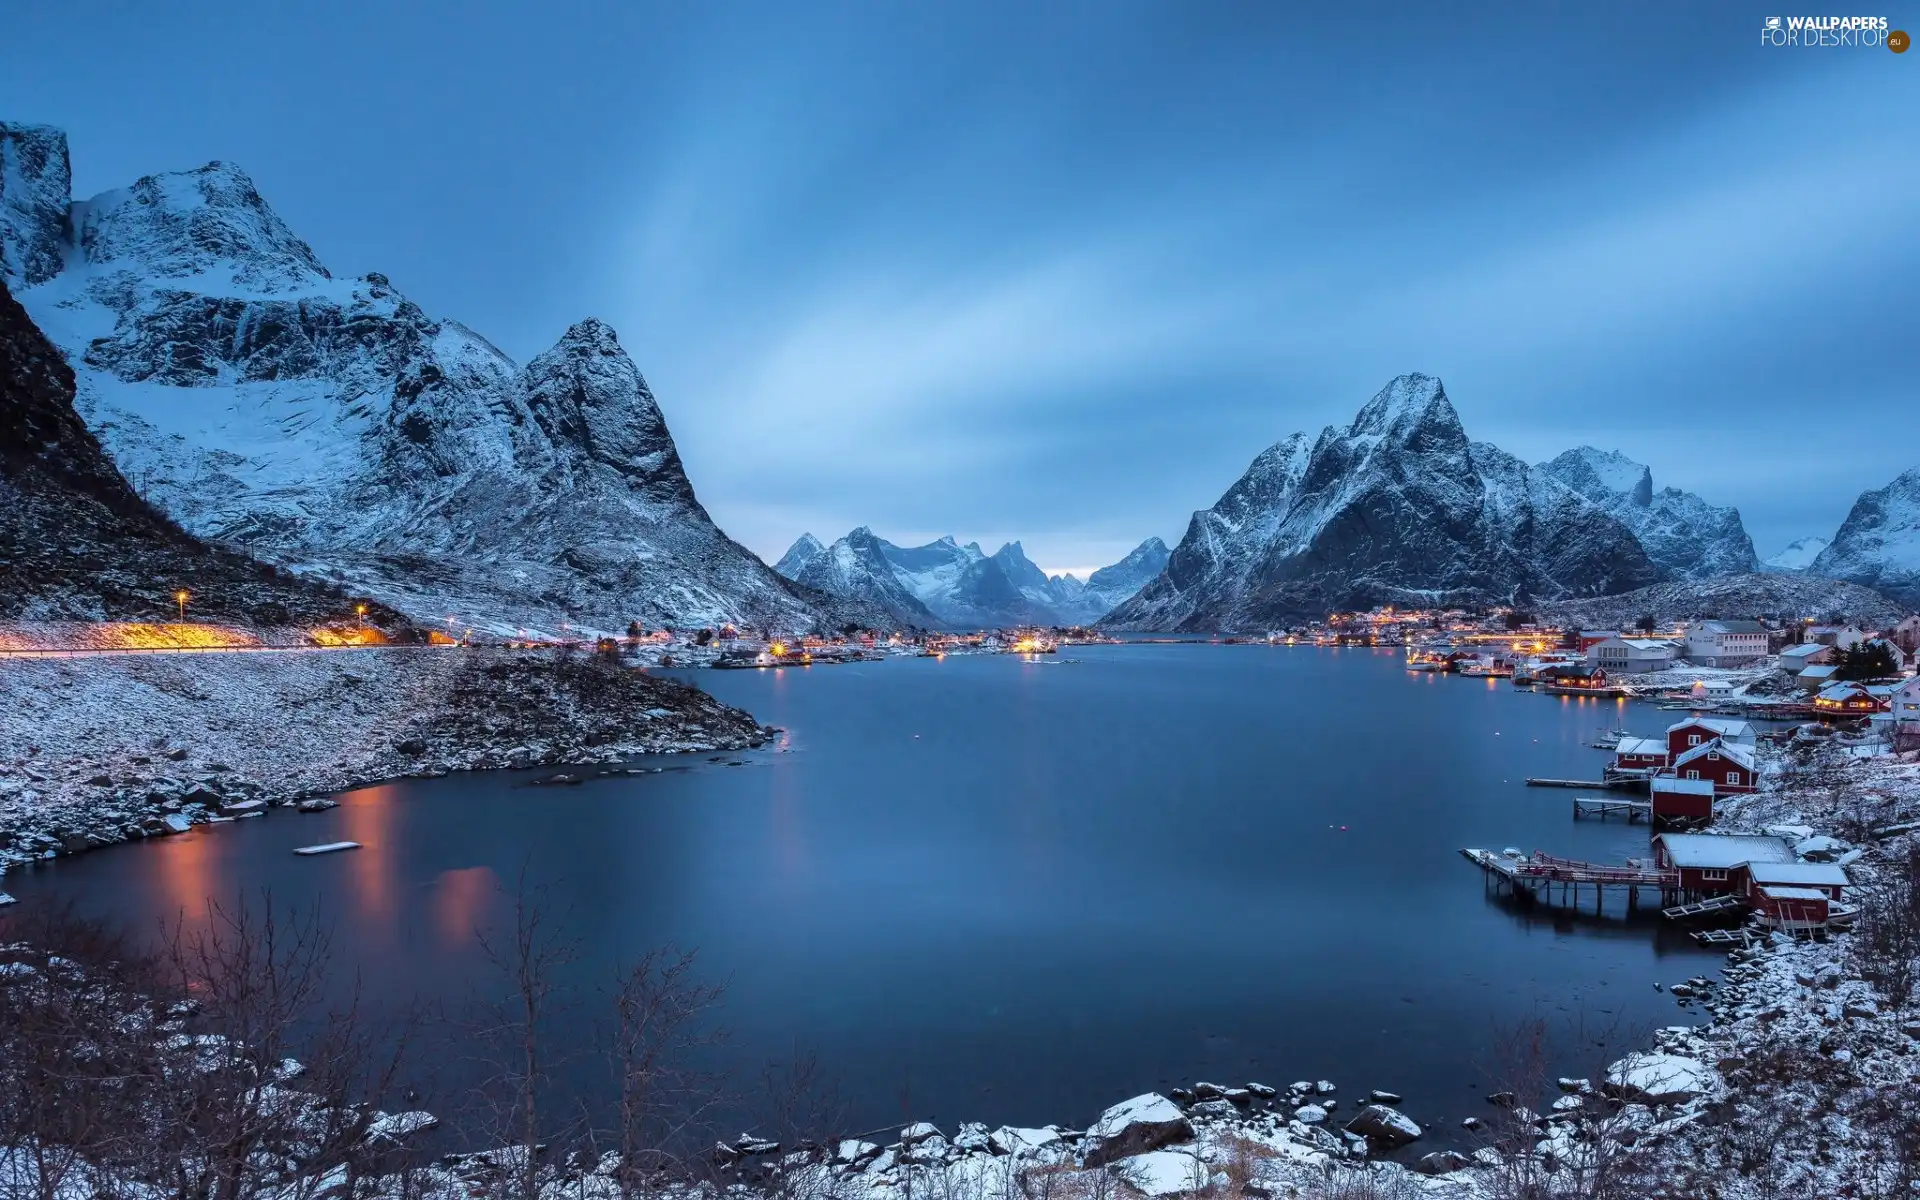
(1488,668)
(1426,661)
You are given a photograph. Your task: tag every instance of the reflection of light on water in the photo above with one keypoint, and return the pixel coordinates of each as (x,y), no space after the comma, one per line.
(367,815)
(459,896)
(186,873)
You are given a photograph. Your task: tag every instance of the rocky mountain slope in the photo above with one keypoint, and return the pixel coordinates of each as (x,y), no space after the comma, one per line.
(334,425)
(1797,556)
(1686,537)
(1400,507)
(945,585)
(1878,545)
(1729,596)
(76,542)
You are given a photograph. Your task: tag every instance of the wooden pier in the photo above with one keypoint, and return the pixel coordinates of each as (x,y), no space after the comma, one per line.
(1537,874)
(1603,806)
(1612,783)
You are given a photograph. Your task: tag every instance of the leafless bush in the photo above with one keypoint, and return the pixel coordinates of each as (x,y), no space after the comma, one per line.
(1886,941)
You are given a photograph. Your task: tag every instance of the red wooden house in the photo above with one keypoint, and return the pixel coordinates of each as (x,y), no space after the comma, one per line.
(1681,803)
(1698,731)
(1796,895)
(1712,863)
(1638,754)
(1729,768)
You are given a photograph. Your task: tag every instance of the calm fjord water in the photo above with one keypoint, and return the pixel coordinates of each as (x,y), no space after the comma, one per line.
(1018,891)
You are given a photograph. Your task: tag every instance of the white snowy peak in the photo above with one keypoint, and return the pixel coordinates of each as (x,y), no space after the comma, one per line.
(336,427)
(1686,537)
(1798,554)
(804,550)
(1399,507)
(1879,543)
(207,222)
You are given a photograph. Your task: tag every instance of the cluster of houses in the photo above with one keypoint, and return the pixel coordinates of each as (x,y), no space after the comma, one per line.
(1811,659)
(1796,887)
(1699,760)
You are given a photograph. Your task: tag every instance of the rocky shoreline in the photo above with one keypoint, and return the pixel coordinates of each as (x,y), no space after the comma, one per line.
(106,749)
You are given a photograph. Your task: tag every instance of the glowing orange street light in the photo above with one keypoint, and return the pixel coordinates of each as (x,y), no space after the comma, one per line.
(360,610)
(180,597)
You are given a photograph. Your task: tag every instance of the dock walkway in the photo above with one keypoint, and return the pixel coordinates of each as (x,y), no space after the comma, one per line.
(1537,874)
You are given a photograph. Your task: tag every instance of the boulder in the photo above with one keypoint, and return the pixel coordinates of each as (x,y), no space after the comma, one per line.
(1442,1162)
(1653,1078)
(1324,1088)
(1220,1108)
(1263,1091)
(1378,1096)
(1162,1173)
(918,1132)
(1208,1091)
(1009,1139)
(1386,1125)
(1861,1007)
(1146,1122)
(852,1152)
(1310,1114)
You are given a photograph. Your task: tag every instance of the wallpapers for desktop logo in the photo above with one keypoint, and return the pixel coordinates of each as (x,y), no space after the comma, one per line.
(1832,31)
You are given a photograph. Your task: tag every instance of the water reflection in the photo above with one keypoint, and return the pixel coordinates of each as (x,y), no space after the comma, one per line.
(461,899)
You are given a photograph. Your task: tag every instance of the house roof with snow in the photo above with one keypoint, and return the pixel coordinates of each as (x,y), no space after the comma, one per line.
(1798,874)
(1842,691)
(1731,627)
(1682,787)
(1634,745)
(1732,731)
(1792,893)
(1818,673)
(1800,654)
(1723,850)
(1739,754)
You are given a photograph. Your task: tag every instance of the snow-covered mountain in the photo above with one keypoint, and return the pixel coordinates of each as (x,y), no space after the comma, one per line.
(855,568)
(1766,594)
(335,426)
(1879,543)
(1686,537)
(946,585)
(1400,507)
(76,542)
(1798,555)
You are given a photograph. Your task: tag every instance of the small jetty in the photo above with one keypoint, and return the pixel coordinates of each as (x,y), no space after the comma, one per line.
(327,848)
(1537,874)
(1724,937)
(1590,784)
(1607,806)
(1614,782)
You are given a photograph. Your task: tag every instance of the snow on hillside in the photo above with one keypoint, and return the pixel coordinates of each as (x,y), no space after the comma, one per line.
(1798,554)
(1397,507)
(1686,537)
(333,425)
(1879,543)
(1730,596)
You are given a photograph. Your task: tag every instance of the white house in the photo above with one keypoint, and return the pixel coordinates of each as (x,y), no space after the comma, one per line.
(1795,659)
(1905,706)
(1629,656)
(1840,637)
(1726,643)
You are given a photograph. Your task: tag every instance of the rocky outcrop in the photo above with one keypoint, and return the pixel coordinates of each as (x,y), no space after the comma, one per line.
(35,183)
(1767,594)
(1686,537)
(1146,1122)
(1399,507)
(1878,545)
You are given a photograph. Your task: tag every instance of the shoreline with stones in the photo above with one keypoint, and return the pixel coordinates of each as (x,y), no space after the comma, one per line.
(107,749)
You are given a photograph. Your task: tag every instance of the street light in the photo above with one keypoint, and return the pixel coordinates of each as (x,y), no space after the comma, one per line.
(180,597)
(360,610)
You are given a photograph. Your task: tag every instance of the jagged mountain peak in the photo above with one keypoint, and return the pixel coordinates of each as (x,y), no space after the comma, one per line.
(1408,403)
(210,220)
(1686,537)
(586,394)
(35,195)
(1600,475)
(804,550)
(1879,542)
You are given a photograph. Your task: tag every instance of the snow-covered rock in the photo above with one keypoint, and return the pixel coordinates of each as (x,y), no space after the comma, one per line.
(1160,1173)
(1878,545)
(1385,1124)
(1146,1122)
(1399,507)
(1797,555)
(1009,1139)
(1806,594)
(1686,537)
(333,425)
(1655,1078)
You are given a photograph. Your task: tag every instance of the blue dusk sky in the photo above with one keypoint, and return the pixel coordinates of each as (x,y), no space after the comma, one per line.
(1057,272)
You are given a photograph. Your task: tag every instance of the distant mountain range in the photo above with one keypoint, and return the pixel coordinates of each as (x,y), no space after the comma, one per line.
(945,585)
(334,426)
(1878,545)
(1686,537)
